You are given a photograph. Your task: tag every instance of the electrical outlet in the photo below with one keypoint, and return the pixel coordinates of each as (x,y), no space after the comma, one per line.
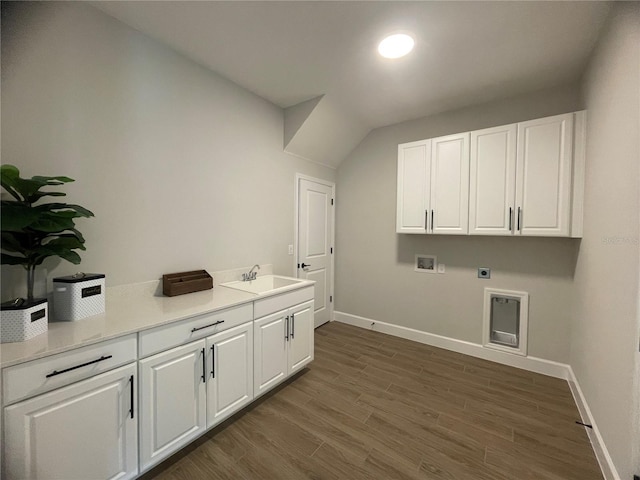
(484,272)
(441,268)
(290,249)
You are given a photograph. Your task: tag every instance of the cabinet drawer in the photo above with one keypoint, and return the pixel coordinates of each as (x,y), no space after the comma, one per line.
(281,302)
(168,336)
(45,374)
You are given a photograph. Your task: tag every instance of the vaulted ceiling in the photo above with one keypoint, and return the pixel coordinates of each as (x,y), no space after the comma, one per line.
(318,59)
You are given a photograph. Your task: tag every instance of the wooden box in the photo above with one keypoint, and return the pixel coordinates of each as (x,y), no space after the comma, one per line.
(186,282)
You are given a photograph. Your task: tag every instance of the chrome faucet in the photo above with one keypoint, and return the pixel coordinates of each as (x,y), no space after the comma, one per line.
(251,275)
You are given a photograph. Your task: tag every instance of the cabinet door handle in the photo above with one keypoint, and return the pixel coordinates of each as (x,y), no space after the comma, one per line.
(426,219)
(131,398)
(293,325)
(510,218)
(101,359)
(213,361)
(519,214)
(204,368)
(286,328)
(432,220)
(207,326)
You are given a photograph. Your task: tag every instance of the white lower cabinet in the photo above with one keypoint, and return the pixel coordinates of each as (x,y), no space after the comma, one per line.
(300,337)
(230,382)
(172,401)
(283,345)
(67,418)
(82,431)
(188,389)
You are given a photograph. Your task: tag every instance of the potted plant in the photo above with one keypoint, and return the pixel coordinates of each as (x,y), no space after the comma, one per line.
(32,232)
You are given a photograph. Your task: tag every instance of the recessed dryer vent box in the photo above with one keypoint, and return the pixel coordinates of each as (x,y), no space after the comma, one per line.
(78,296)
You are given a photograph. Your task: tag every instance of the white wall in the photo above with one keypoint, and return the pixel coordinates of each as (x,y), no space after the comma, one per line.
(182,168)
(604,347)
(374,265)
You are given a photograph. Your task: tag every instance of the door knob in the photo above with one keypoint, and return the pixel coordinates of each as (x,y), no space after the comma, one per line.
(303,265)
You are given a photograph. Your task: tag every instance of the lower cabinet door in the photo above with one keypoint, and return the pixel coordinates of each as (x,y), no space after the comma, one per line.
(270,355)
(230,372)
(172,401)
(300,336)
(87,430)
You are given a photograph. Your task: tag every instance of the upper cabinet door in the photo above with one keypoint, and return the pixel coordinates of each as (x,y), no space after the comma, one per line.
(543,183)
(413,186)
(450,184)
(493,178)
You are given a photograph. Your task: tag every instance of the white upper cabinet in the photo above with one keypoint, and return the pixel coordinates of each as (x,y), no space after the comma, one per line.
(543,178)
(433,185)
(493,181)
(414,177)
(520,179)
(450,184)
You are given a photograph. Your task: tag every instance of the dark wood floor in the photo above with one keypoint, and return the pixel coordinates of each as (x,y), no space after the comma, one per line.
(373,406)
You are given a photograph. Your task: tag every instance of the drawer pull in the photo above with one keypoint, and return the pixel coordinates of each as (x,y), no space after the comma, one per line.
(55,372)
(207,326)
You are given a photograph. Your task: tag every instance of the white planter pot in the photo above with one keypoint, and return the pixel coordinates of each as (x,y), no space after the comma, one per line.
(19,323)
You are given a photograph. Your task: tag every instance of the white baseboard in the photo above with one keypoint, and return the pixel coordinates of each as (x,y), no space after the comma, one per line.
(532,364)
(602,454)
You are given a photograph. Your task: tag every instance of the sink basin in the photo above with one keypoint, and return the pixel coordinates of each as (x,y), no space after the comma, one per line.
(263,284)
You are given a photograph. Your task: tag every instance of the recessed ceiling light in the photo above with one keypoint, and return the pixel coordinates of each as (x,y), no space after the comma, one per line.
(396,46)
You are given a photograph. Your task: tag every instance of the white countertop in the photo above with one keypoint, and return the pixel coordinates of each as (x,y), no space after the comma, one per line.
(129,309)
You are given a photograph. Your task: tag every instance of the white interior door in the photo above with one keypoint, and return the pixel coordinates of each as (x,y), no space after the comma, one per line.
(315,242)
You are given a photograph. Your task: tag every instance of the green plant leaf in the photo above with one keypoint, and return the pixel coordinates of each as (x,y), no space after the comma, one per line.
(83,212)
(6,259)
(68,241)
(57,251)
(52,223)
(12,242)
(78,235)
(52,180)
(27,188)
(8,176)
(9,171)
(16,217)
(38,195)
